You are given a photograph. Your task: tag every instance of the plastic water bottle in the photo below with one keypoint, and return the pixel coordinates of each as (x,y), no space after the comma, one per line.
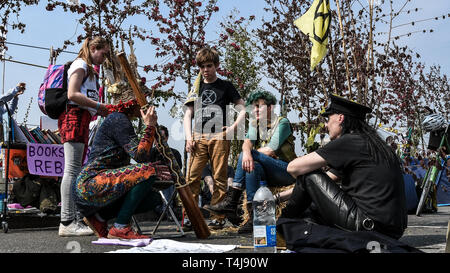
(264,222)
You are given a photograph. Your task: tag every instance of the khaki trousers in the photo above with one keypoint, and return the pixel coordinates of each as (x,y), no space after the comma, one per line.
(215,149)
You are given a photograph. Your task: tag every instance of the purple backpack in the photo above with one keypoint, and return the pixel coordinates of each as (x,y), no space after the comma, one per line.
(52,96)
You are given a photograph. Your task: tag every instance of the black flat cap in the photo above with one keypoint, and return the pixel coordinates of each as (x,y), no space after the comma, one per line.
(340,105)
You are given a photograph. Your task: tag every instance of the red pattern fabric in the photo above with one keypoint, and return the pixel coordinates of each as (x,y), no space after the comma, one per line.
(73,125)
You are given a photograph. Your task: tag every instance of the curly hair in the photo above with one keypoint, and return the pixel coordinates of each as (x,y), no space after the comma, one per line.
(268,98)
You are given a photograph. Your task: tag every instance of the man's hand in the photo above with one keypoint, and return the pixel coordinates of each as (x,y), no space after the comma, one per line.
(190,146)
(248,164)
(22,87)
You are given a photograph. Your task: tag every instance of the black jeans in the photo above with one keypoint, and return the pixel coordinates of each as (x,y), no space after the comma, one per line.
(330,205)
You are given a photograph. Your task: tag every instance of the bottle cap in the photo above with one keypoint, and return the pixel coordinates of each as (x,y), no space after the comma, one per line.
(262,183)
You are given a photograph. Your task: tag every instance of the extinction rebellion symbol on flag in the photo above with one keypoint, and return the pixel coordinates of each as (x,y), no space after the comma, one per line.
(321,25)
(316,24)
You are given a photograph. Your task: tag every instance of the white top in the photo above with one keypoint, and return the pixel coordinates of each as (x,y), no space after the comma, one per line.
(88,88)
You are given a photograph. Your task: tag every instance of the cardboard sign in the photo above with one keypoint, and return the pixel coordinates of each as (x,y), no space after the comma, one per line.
(45,159)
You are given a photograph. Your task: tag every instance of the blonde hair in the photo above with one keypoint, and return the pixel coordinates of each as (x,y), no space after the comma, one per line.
(85,51)
(206,55)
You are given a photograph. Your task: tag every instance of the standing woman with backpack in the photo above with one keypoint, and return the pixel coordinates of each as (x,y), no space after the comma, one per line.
(73,124)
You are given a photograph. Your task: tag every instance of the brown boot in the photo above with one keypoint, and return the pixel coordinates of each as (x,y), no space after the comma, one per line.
(247,227)
(228,206)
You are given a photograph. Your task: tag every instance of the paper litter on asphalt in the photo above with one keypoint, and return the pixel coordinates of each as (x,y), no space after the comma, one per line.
(121,242)
(172,246)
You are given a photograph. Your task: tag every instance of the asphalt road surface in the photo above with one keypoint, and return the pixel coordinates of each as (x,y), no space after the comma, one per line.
(427,233)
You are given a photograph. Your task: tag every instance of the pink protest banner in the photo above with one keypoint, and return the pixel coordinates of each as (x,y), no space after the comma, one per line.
(48,159)
(45,159)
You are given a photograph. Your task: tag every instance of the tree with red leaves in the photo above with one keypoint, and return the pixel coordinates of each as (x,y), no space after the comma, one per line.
(362,64)
(9,9)
(102,17)
(239,53)
(181,33)
(239,62)
(286,52)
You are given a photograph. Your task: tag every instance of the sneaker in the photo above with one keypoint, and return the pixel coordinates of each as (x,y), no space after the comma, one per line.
(74,229)
(125,233)
(100,228)
(187,225)
(216,224)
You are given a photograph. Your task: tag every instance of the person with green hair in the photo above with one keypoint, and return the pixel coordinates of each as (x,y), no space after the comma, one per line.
(266,152)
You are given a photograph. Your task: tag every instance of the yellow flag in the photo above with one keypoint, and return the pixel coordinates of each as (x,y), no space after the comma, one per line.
(194,92)
(316,24)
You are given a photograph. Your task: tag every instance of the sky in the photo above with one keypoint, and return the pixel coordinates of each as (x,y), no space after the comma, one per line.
(50,29)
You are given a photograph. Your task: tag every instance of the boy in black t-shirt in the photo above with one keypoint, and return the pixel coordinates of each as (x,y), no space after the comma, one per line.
(371,196)
(208,140)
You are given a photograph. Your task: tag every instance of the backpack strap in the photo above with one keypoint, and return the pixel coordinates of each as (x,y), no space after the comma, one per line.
(66,80)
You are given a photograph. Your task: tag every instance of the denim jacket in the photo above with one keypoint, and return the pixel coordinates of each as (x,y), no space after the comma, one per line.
(11,95)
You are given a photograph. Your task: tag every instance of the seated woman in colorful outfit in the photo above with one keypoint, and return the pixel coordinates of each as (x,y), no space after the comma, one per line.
(267,149)
(109,186)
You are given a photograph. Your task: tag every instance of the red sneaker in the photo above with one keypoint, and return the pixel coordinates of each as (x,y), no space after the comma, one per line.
(125,233)
(100,228)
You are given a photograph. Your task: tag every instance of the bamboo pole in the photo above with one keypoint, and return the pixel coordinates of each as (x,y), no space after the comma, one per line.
(343,48)
(322,83)
(386,49)
(3,57)
(333,64)
(370,54)
(3,75)
(359,78)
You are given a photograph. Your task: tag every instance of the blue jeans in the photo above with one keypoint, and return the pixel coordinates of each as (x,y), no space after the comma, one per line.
(271,170)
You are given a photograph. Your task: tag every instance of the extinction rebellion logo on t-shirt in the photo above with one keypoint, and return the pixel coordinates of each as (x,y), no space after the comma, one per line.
(214,111)
(209,97)
(210,115)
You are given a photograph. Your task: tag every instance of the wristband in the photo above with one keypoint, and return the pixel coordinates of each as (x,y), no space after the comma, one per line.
(98,106)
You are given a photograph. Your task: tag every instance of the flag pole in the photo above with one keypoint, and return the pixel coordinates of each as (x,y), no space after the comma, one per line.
(3,56)
(3,76)
(333,65)
(321,81)
(343,48)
